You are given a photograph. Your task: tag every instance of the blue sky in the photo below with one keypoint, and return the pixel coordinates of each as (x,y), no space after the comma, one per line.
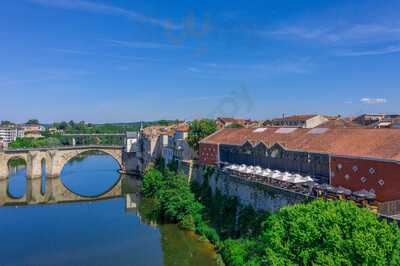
(115,61)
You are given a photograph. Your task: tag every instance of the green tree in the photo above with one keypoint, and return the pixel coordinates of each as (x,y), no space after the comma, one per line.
(240,252)
(63,125)
(52,142)
(6,123)
(200,129)
(234,126)
(153,181)
(329,233)
(177,200)
(32,122)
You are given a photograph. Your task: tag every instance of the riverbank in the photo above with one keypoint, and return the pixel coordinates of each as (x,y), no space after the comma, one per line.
(243,236)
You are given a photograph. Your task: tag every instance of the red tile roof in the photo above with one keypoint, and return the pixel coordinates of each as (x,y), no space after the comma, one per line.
(226,120)
(339,123)
(295,117)
(183,127)
(359,142)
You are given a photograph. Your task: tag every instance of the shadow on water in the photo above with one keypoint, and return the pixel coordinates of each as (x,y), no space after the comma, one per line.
(59,227)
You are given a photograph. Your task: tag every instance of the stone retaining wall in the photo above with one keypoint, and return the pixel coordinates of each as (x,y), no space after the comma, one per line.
(259,196)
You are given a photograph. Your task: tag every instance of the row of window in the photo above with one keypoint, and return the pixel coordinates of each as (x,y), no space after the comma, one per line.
(355,169)
(206,154)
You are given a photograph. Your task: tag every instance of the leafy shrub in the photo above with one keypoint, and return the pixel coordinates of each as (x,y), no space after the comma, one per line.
(329,233)
(153,181)
(177,200)
(240,252)
(187,223)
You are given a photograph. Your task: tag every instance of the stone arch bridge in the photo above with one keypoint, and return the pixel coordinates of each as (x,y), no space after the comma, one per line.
(55,159)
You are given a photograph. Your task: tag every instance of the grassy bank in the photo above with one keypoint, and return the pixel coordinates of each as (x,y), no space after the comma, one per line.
(316,233)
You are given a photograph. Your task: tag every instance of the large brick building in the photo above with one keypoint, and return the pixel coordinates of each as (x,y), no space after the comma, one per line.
(355,158)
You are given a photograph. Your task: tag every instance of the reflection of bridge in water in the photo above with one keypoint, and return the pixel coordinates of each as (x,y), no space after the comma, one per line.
(55,192)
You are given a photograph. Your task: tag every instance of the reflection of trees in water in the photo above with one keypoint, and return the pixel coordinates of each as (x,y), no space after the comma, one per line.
(180,247)
(16,162)
(184,248)
(15,165)
(147,214)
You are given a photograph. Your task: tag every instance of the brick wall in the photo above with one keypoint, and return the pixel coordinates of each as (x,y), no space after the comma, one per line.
(383,177)
(208,153)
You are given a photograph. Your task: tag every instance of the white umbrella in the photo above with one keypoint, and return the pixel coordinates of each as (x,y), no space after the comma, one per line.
(276,176)
(249,170)
(308,179)
(286,176)
(234,167)
(259,171)
(266,173)
(242,168)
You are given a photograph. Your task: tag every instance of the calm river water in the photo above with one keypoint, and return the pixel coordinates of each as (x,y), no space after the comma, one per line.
(91,232)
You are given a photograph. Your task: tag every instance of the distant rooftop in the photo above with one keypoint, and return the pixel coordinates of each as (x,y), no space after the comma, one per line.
(296,117)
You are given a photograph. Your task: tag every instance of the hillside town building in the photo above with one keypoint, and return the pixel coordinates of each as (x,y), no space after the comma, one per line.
(353,158)
(32,128)
(304,121)
(223,122)
(167,142)
(9,133)
(378,120)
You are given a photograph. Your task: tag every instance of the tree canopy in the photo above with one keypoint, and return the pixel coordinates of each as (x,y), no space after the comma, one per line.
(6,123)
(234,126)
(32,122)
(21,143)
(200,129)
(329,233)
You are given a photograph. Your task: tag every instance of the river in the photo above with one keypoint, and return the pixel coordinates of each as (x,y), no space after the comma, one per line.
(89,216)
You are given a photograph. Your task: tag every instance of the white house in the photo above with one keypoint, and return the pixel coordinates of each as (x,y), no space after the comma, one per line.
(131,142)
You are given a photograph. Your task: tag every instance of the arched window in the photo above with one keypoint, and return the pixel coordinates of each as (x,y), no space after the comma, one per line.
(276,153)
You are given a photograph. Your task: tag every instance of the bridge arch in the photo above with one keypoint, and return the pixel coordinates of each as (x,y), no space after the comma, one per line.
(62,157)
(5,164)
(16,183)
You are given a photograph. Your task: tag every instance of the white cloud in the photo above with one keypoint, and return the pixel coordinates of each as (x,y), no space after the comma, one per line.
(385,50)
(300,66)
(373,100)
(193,69)
(335,34)
(108,10)
(126,58)
(141,45)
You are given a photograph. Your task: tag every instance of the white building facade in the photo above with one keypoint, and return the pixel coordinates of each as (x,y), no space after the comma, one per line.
(10,133)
